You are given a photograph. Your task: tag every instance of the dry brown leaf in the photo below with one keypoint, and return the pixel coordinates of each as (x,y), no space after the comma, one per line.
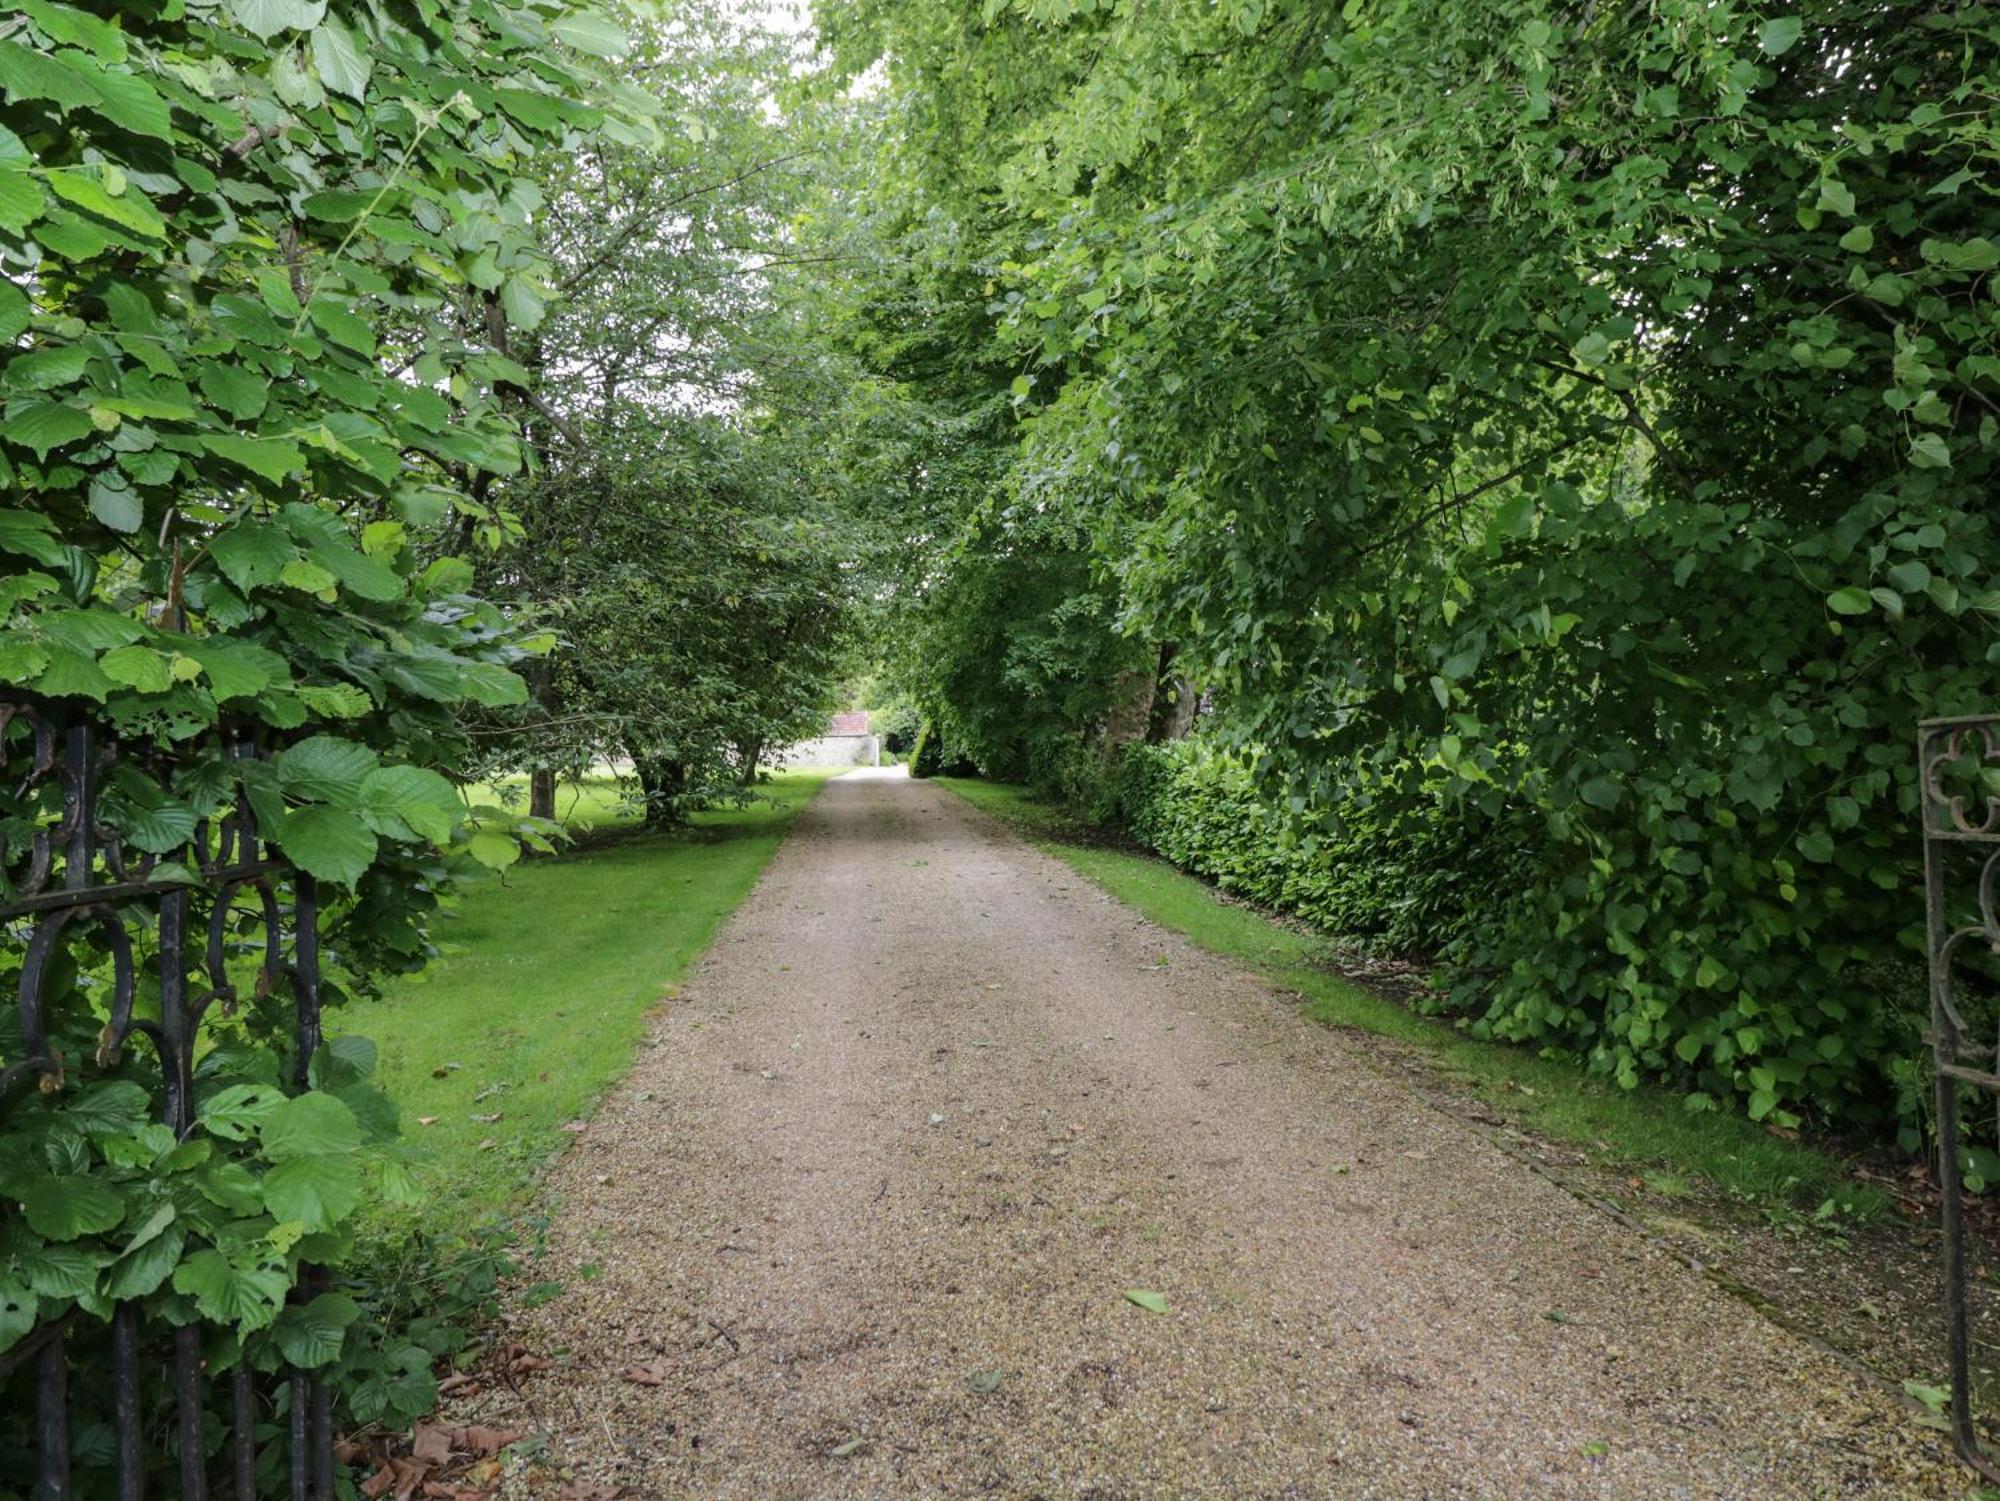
(576,1127)
(430,1444)
(378,1483)
(652,1374)
(459,1381)
(427,1120)
(577,1490)
(483,1441)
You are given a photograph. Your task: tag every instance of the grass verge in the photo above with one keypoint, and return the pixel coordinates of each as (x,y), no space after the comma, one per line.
(542,993)
(1641,1129)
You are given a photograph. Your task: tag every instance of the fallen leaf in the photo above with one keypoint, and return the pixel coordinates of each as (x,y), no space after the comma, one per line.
(482,1440)
(653,1374)
(577,1490)
(378,1484)
(427,1120)
(851,1447)
(431,1444)
(576,1127)
(985,1381)
(487,1120)
(1151,1302)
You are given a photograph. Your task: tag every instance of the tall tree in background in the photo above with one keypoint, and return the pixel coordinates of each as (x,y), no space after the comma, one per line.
(685,537)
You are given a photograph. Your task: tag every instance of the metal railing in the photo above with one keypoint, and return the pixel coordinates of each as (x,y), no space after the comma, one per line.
(1961,822)
(77,874)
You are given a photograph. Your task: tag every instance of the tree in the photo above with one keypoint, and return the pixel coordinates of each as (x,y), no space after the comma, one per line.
(1567,425)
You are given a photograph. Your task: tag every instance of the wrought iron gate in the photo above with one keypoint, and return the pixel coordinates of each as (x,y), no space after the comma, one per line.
(1961,819)
(77,872)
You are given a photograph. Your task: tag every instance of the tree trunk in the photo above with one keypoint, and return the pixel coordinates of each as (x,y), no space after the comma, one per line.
(542,793)
(747,762)
(1175,700)
(663,782)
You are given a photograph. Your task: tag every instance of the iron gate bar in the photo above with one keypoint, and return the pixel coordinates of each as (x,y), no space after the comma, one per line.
(94,885)
(1947,823)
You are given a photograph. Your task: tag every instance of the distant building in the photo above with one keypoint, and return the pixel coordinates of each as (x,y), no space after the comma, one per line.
(847,742)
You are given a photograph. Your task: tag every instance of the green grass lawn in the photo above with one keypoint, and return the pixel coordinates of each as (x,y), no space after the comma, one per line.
(587,806)
(1642,1128)
(542,992)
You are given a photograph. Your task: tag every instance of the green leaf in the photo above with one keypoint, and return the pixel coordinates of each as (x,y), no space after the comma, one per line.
(1849,601)
(31,535)
(1599,792)
(235,669)
(145,1265)
(309,1335)
(325,768)
(307,1125)
(21,660)
(235,1112)
(252,554)
(492,850)
(327,842)
(59,1271)
(1150,1301)
(402,801)
(316,1192)
(340,61)
(128,209)
(45,426)
(45,369)
(14,308)
(493,686)
(1930,451)
(63,1208)
(1858,239)
(274,459)
(115,503)
(592,32)
(19,1310)
(1780,34)
(22,201)
(161,830)
(140,668)
(264,19)
(245,1296)
(238,391)
(73,674)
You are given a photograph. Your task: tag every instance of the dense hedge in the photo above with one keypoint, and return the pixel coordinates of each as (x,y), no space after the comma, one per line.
(1456,887)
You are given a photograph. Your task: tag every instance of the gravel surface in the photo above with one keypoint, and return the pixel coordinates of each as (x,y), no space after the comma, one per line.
(862,1219)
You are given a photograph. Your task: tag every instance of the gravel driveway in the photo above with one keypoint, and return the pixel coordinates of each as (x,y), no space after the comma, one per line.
(862,1219)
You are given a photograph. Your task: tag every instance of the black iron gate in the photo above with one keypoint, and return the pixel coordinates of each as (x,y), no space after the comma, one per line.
(1961,818)
(77,872)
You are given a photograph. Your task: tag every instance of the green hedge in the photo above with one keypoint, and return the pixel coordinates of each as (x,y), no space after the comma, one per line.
(1463,888)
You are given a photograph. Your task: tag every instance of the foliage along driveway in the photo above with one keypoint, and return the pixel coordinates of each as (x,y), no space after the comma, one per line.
(949,1176)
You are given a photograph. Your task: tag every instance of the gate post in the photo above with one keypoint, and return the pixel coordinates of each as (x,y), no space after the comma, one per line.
(1953,819)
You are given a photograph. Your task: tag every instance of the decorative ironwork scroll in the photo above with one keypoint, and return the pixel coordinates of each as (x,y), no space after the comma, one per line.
(78,875)
(1958,763)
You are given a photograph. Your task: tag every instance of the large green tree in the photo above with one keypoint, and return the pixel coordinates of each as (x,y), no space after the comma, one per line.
(1573,423)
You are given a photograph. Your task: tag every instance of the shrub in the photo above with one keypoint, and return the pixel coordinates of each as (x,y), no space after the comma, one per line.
(1469,890)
